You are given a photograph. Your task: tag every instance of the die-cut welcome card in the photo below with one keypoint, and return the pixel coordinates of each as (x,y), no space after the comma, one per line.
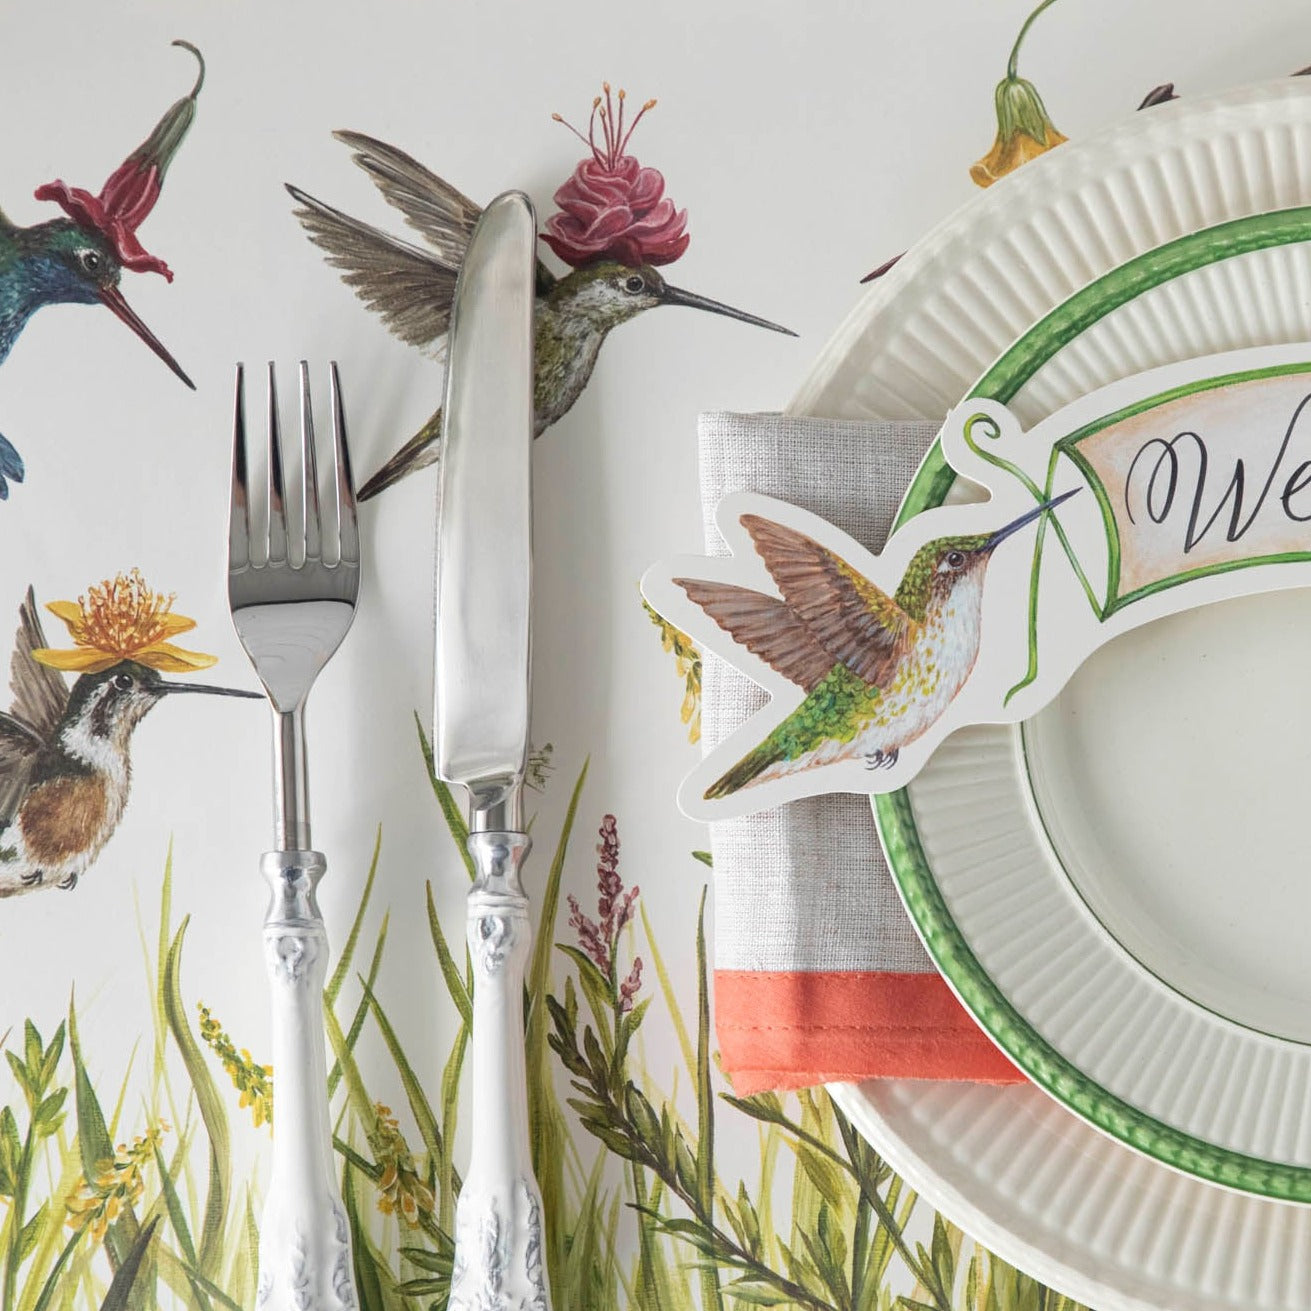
(1165,491)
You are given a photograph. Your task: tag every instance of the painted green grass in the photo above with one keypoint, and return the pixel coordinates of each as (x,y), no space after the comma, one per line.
(132,1207)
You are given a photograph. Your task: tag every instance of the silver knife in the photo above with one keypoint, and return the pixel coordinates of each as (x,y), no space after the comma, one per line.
(481,687)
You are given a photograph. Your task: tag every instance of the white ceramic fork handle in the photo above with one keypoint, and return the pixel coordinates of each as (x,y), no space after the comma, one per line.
(499,1251)
(304,1247)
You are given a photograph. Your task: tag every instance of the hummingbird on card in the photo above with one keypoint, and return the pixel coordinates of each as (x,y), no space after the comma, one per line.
(65,765)
(79,260)
(616,228)
(878,671)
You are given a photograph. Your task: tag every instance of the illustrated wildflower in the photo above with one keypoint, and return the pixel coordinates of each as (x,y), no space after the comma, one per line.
(117,1183)
(253,1081)
(615,907)
(687,660)
(133,187)
(629,988)
(611,207)
(122,619)
(403,1193)
(1024,129)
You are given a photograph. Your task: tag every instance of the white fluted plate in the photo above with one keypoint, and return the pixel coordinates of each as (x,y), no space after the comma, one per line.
(1136,950)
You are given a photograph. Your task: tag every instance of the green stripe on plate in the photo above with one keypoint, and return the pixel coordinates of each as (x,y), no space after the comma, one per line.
(896,817)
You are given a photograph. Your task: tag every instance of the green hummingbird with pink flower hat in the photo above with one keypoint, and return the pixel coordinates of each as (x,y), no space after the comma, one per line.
(616,227)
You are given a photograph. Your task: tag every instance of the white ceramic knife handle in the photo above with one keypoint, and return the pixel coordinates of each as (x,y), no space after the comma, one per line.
(499,1253)
(304,1248)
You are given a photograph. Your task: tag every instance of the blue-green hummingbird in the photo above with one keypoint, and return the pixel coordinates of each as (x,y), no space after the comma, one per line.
(79,259)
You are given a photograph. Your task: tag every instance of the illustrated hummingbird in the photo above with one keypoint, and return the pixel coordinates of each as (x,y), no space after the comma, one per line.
(79,260)
(878,671)
(615,227)
(65,767)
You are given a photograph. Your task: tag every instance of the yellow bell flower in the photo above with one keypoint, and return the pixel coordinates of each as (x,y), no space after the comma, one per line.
(122,619)
(1024,129)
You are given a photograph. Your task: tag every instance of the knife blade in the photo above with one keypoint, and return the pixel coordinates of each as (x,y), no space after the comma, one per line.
(481,694)
(481,678)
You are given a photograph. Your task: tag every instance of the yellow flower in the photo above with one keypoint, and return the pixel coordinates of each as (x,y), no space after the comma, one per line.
(687,661)
(122,619)
(401,1192)
(1024,130)
(97,1203)
(251,1079)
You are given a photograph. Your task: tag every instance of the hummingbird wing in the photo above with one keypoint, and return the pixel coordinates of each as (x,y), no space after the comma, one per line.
(855,621)
(410,289)
(40,699)
(766,626)
(20,748)
(40,693)
(444,215)
(431,206)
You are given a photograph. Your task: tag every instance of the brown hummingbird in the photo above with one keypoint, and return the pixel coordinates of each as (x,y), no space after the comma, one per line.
(65,768)
(878,670)
(616,226)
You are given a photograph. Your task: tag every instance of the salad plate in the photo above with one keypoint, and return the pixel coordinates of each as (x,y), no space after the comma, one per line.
(1135,200)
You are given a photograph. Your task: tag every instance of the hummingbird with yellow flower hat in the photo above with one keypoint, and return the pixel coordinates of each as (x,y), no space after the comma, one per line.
(80,259)
(616,228)
(65,765)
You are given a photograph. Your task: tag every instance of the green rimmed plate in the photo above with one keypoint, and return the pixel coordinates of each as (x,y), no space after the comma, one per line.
(1113,1226)
(1126,935)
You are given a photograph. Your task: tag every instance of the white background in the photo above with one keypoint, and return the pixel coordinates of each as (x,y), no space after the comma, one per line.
(808,144)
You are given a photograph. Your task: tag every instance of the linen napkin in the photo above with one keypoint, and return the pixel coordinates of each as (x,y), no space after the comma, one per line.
(819,974)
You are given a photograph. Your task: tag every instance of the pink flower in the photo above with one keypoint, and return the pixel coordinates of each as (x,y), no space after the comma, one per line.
(133,187)
(590,938)
(124,201)
(599,937)
(629,987)
(612,207)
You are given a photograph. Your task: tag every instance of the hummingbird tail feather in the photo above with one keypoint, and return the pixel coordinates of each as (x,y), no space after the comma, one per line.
(746,771)
(418,453)
(11,468)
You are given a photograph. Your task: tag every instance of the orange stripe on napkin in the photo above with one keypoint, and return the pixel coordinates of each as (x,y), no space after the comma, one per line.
(789,1029)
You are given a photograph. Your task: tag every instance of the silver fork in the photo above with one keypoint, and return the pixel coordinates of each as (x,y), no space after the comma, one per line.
(292,602)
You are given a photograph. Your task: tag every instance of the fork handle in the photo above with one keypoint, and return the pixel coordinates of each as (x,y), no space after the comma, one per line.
(304,1248)
(499,1248)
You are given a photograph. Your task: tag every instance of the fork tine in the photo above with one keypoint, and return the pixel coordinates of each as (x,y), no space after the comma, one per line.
(347,528)
(239,503)
(277,536)
(309,484)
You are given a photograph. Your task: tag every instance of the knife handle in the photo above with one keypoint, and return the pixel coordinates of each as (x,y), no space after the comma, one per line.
(499,1252)
(304,1246)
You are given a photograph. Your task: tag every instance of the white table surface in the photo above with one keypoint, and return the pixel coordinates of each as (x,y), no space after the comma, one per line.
(808,144)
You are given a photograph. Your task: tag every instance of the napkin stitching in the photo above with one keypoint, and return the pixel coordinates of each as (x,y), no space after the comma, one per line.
(812,1027)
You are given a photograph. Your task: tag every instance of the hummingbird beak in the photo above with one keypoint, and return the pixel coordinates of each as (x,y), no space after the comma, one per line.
(204,689)
(1016,524)
(677,296)
(112,299)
